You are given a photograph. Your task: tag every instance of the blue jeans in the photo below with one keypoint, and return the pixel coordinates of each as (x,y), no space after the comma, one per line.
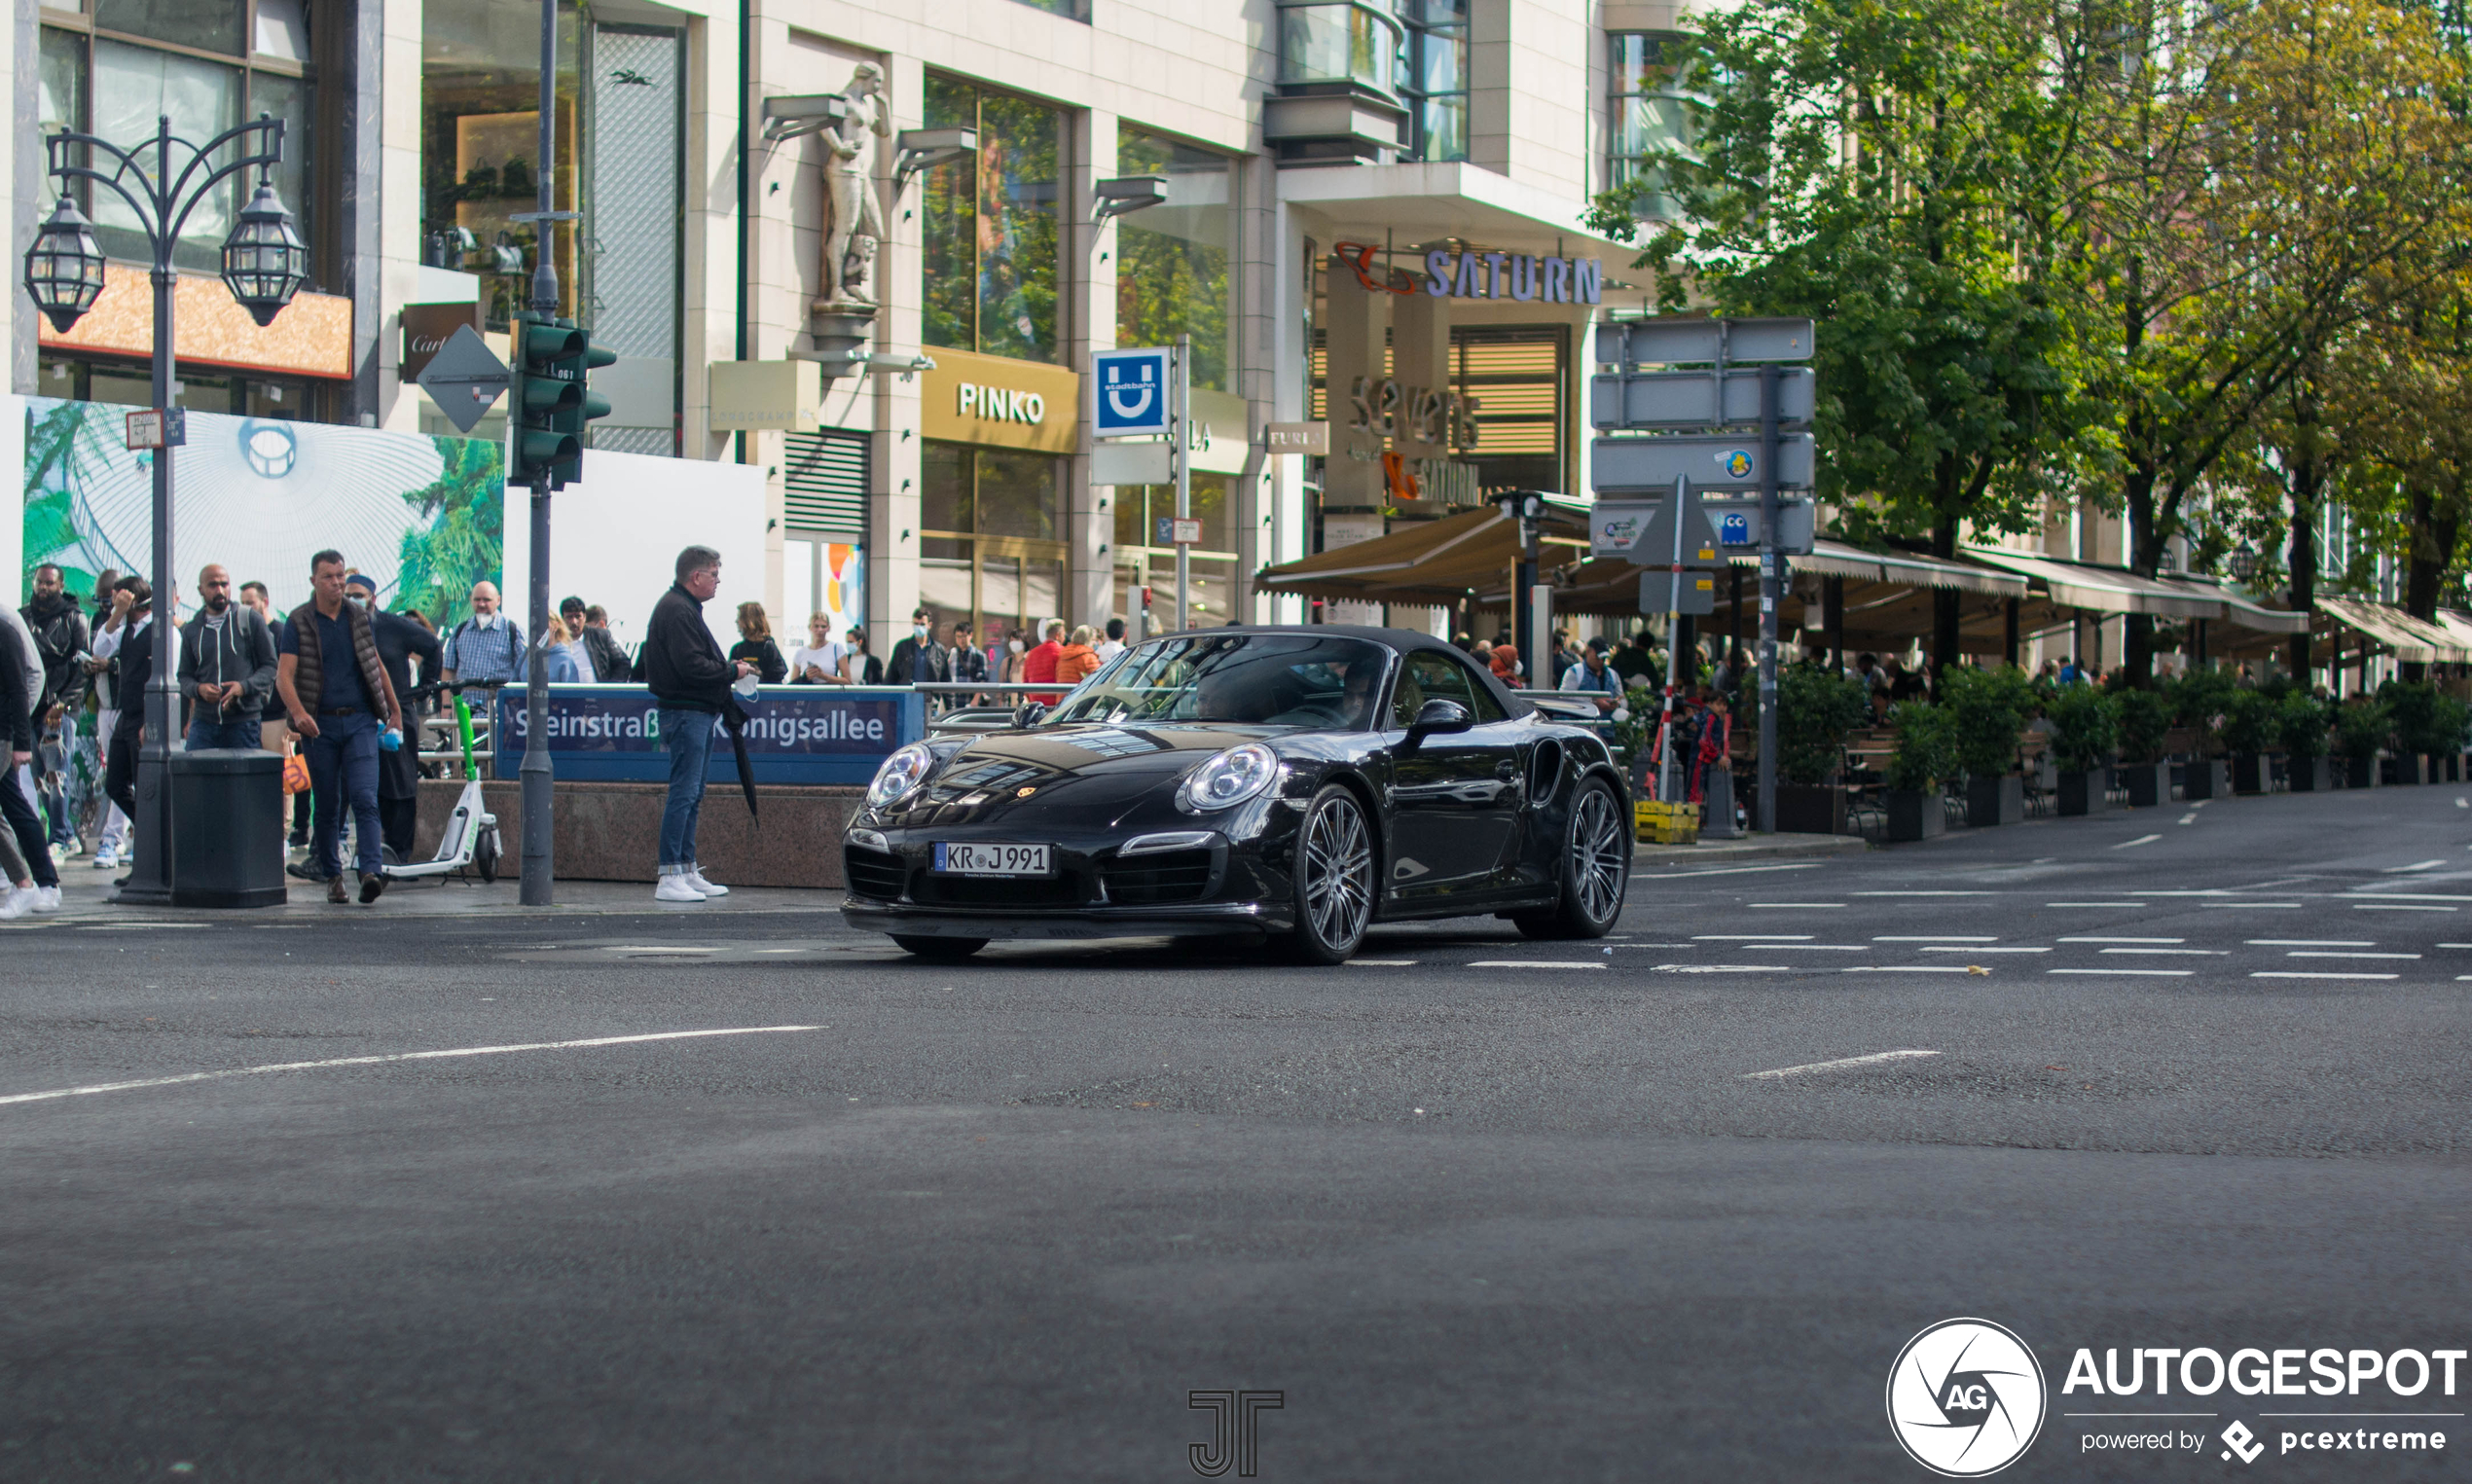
(224,734)
(689,735)
(342,763)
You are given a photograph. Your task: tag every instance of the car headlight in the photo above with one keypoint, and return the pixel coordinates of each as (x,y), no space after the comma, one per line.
(901,776)
(1228,778)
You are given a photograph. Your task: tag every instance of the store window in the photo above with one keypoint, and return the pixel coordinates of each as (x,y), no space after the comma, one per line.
(1172,261)
(1145,553)
(1652,116)
(990,257)
(116,66)
(75,378)
(480,147)
(1433,78)
(990,527)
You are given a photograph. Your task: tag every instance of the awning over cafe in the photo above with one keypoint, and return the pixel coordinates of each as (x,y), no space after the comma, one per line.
(2099,589)
(2415,640)
(1431,561)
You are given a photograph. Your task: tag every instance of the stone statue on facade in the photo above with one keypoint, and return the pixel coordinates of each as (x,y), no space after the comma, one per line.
(854,229)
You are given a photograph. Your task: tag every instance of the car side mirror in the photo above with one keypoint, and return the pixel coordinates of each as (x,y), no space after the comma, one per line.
(1435,716)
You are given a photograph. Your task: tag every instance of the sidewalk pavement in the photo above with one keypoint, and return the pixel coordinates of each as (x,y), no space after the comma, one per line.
(86,900)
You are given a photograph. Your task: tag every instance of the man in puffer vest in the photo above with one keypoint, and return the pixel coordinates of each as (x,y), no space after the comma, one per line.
(336,690)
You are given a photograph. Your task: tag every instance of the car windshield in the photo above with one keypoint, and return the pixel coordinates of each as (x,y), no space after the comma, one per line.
(1259,679)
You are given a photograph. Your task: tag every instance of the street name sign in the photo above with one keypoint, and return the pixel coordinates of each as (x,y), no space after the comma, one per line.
(1133,392)
(1672,340)
(465,377)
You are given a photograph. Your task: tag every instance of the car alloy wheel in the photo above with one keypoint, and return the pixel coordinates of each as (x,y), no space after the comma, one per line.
(1595,870)
(1600,853)
(1334,877)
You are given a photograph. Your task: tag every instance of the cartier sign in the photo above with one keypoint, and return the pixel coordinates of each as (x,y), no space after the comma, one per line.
(426,328)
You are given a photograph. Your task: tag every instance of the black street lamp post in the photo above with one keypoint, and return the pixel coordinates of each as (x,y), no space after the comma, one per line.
(264,265)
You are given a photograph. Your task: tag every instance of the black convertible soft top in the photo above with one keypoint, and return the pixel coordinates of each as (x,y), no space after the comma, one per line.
(1404,641)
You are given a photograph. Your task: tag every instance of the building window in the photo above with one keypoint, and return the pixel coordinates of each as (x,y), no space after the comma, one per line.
(1651,115)
(1172,261)
(114,69)
(1071,10)
(990,251)
(480,147)
(991,522)
(1434,78)
(1338,43)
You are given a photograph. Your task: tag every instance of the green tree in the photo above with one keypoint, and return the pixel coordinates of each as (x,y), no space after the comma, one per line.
(465,540)
(1898,172)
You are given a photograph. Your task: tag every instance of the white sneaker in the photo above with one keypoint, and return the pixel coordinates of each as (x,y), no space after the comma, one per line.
(15,902)
(677,888)
(47,899)
(106,859)
(695,879)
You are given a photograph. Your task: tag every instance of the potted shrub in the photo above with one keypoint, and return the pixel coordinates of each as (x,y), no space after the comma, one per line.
(1815,711)
(2250,720)
(1986,708)
(1926,753)
(2453,721)
(2199,702)
(2085,732)
(2299,727)
(2361,728)
(2411,716)
(2144,719)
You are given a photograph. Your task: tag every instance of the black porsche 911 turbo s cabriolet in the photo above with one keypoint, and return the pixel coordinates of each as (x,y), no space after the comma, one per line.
(1298,783)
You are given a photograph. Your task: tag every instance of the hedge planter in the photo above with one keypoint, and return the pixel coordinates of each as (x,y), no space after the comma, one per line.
(2398,772)
(2360,772)
(2083,793)
(2310,774)
(1914,815)
(2149,784)
(2252,773)
(1810,808)
(2208,778)
(1995,800)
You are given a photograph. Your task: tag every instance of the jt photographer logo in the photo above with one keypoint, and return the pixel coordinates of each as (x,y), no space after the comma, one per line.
(1966,1398)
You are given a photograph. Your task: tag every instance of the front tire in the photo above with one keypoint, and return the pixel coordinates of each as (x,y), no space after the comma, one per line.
(938,950)
(485,855)
(1595,870)
(1334,879)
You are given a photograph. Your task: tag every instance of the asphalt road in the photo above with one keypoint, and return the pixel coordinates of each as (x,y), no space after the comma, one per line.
(1476,1208)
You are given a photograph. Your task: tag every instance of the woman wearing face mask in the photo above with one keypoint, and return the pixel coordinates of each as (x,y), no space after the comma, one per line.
(1015,651)
(857,666)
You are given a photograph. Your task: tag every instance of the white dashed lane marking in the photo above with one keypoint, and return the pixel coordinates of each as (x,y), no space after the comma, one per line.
(400,1056)
(2301,974)
(2107,940)
(2160,973)
(2140,840)
(1807,1068)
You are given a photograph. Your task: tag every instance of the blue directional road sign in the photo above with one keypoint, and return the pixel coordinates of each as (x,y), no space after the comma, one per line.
(1133,392)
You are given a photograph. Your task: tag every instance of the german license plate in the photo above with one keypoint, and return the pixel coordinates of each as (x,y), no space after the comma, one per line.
(957,859)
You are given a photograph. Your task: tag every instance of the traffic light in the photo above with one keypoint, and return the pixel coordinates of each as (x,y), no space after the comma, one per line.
(553,404)
(549,388)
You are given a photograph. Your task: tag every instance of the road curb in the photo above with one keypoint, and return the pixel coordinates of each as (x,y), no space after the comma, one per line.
(1716,853)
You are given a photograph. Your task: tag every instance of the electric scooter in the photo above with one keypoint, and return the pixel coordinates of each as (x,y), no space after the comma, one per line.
(471,837)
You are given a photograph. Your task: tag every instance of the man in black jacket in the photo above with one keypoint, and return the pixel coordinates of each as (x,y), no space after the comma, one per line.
(400,641)
(226,668)
(18,730)
(134,672)
(691,680)
(918,657)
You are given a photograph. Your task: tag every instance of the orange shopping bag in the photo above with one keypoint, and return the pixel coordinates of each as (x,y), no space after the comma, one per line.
(295,775)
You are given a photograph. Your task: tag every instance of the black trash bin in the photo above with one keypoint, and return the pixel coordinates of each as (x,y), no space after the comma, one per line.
(227,828)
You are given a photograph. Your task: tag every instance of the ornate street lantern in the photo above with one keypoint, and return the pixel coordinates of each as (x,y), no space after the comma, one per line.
(265,263)
(64,269)
(2242,562)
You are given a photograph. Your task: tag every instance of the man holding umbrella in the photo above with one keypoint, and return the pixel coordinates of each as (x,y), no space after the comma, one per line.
(690,681)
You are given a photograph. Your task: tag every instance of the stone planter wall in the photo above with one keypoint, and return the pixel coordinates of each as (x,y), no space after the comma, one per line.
(2083,793)
(1914,815)
(1995,800)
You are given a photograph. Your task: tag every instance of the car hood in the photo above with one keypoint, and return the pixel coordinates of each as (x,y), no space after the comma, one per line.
(1089,774)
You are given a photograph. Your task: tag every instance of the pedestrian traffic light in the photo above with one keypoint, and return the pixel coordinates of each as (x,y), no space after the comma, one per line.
(548,388)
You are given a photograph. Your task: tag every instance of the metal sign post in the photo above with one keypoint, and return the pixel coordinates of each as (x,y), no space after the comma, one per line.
(1180,437)
(1668,775)
(1771,588)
